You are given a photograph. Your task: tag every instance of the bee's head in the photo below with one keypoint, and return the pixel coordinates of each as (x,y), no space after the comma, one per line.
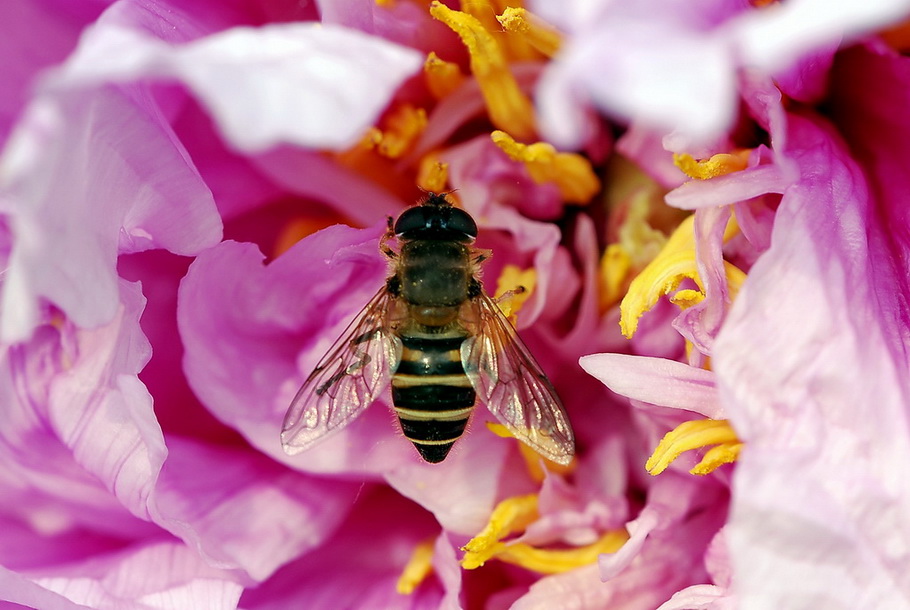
(436,219)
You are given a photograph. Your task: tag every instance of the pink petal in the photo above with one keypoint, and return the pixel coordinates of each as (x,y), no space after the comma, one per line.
(657,381)
(44,35)
(360,564)
(204,492)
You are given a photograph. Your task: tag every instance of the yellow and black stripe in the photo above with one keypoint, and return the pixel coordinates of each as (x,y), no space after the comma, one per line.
(432,395)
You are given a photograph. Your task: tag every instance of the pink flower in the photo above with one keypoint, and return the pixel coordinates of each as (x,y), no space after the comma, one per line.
(192,200)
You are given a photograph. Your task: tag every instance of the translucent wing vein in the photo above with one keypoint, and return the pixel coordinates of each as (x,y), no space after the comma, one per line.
(355,370)
(514,387)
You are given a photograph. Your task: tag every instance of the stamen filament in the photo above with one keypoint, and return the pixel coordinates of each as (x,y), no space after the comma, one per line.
(419,566)
(556,561)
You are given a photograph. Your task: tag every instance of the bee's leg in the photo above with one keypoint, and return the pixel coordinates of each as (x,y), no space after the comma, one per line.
(480,257)
(508,294)
(389,234)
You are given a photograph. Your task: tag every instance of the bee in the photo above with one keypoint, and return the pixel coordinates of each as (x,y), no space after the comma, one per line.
(440,341)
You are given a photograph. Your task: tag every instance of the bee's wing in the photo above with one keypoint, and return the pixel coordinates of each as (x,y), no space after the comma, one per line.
(512,384)
(355,370)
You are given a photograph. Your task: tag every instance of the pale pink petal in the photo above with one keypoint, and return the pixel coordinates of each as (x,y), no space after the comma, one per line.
(131,188)
(657,381)
(772,40)
(165,575)
(700,597)
(314,85)
(812,368)
(103,413)
(700,323)
(724,190)
(18,589)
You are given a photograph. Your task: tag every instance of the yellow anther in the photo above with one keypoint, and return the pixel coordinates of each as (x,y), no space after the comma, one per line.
(532,458)
(687,436)
(402,128)
(510,516)
(515,48)
(684,299)
(718,165)
(535,30)
(571,173)
(556,561)
(725,453)
(432,174)
(417,569)
(509,108)
(442,77)
(385,3)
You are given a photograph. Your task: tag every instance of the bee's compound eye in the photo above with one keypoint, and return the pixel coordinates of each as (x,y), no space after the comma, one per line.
(411,220)
(461,222)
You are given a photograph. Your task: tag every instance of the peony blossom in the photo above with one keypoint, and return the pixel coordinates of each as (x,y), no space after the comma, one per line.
(703,204)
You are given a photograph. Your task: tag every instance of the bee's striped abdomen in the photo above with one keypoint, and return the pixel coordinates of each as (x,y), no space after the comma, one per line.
(431,393)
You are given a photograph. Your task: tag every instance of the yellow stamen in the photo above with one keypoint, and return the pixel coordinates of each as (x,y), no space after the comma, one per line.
(432,174)
(675,263)
(385,3)
(691,435)
(718,165)
(513,288)
(402,128)
(515,48)
(442,77)
(510,516)
(509,108)
(418,567)
(571,173)
(556,561)
(535,30)
(725,453)
(531,458)
(514,515)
